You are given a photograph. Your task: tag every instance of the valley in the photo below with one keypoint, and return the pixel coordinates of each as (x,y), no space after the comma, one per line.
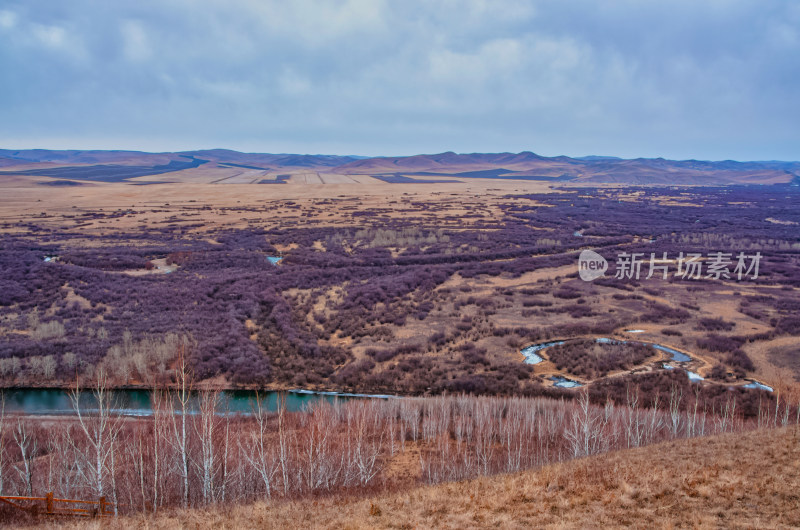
(340,337)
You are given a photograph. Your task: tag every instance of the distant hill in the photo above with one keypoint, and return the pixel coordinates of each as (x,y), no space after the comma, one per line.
(40,157)
(596,157)
(121,166)
(272,161)
(592,169)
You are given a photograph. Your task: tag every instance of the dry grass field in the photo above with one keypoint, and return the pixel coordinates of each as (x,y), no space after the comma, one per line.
(747,480)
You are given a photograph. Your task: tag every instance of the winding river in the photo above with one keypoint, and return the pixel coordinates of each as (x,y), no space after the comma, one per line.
(532,356)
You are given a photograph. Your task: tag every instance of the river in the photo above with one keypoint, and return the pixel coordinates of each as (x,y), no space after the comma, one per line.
(52,401)
(532,355)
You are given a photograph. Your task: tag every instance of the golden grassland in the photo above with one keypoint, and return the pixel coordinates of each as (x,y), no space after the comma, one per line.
(749,480)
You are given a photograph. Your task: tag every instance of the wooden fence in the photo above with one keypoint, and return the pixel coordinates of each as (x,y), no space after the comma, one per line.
(49,505)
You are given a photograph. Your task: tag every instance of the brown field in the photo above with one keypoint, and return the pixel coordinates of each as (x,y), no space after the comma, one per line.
(152,205)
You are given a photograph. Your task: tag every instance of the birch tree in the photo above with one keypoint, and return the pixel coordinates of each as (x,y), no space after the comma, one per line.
(100,428)
(179,413)
(257,451)
(27,444)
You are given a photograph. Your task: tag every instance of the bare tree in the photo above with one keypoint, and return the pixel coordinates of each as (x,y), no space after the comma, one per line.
(585,431)
(101,428)
(225,446)
(325,447)
(319,467)
(27,444)
(633,426)
(64,463)
(656,422)
(409,413)
(675,397)
(283,442)
(691,420)
(137,449)
(257,451)
(366,438)
(207,464)
(161,415)
(484,434)
(178,418)
(513,436)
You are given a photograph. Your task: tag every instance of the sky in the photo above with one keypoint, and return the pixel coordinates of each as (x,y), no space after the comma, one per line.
(709,79)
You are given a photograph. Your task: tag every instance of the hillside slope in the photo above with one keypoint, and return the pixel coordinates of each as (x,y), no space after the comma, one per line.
(729,481)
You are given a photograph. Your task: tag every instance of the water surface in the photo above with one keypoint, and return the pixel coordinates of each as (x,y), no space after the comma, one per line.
(51,401)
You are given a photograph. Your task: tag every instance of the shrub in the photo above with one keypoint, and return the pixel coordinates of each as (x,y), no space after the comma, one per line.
(591,359)
(719,343)
(739,359)
(718,372)
(714,324)
(567,294)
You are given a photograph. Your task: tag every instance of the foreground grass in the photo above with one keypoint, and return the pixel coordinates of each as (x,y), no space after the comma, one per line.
(749,480)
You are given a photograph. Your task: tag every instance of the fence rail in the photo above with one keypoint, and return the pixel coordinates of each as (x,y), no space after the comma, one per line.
(51,506)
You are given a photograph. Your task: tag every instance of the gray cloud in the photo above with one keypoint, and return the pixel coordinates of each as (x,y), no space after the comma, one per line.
(679,79)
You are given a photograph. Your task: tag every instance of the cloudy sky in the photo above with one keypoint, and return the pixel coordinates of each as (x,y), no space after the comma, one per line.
(712,79)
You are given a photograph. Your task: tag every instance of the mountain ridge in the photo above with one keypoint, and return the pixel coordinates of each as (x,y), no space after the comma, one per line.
(525,165)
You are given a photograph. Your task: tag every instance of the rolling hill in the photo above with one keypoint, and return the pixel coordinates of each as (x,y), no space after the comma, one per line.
(588,169)
(226,166)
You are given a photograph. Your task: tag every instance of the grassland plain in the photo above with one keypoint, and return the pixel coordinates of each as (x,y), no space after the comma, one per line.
(385,288)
